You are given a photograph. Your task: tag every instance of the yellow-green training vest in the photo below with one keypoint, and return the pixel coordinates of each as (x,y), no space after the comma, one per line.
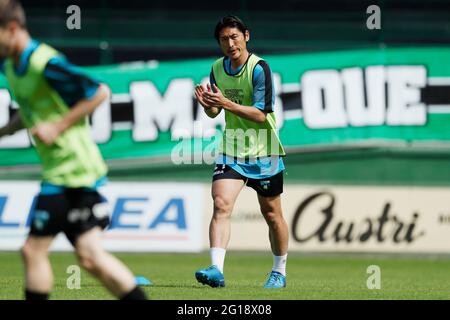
(74,160)
(244,138)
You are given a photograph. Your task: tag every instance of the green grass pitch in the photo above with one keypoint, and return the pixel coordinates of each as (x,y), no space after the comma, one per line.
(309,277)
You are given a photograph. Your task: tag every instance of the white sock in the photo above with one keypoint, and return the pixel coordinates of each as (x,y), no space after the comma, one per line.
(218,257)
(279,264)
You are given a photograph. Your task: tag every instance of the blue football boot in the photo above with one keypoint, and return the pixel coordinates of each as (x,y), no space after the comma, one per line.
(210,276)
(276,280)
(142,281)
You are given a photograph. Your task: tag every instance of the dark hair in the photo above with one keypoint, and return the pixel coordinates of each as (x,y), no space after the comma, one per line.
(12,10)
(229,22)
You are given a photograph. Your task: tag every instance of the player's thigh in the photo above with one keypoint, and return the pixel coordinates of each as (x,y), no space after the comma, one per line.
(270,205)
(89,250)
(269,194)
(88,243)
(226,190)
(37,245)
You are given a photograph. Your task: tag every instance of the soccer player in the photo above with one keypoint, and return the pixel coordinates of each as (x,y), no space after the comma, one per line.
(54,100)
(250,154)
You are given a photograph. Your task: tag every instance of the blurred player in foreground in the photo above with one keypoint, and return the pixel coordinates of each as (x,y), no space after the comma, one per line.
(54,100)
(251,152)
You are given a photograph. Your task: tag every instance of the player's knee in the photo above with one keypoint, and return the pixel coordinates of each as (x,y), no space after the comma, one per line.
(87,260)
(272,217)
(222,206)
(87,263)
(30,252)
(26,252)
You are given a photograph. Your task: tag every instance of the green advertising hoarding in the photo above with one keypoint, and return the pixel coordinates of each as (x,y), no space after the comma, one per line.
(329,99)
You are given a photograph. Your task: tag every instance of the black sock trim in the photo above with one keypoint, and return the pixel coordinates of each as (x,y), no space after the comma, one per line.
(135,294)
(31,295)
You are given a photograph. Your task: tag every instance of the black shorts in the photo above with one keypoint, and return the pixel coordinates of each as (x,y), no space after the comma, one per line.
(268,187)
(73,212)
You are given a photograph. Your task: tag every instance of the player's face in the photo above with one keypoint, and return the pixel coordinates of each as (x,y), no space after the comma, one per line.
(6,42)
(233,42)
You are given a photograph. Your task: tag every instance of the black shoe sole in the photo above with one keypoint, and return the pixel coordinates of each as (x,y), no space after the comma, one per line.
(203,279)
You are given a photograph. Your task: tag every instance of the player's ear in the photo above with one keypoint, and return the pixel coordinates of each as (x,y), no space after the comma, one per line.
(247,35)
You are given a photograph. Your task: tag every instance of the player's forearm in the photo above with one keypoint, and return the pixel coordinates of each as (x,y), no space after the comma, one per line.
(83,108)
(249,113)
(14,125)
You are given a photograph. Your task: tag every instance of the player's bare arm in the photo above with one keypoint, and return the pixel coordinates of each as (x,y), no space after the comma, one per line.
(48,132)
(14,125)
(215,97)
(211,110)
